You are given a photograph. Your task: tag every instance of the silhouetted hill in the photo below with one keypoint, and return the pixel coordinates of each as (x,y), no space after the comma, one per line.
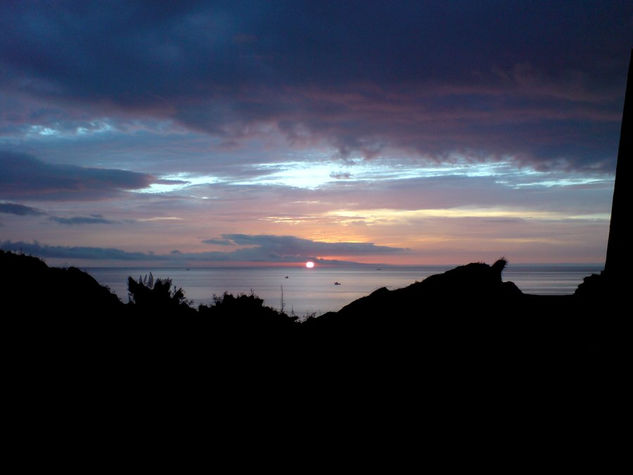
(469,316)
(463,288)
(32,289)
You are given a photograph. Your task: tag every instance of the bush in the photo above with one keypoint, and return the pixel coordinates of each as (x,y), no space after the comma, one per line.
(157,295)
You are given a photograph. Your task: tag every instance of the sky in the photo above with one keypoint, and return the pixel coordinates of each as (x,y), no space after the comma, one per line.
(273,132)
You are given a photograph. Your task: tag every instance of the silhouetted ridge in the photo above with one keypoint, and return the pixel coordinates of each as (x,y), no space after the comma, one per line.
(30,287)
(456,290)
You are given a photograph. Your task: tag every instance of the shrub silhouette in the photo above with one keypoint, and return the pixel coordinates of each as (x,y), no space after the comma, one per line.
(160,296)
(246,312)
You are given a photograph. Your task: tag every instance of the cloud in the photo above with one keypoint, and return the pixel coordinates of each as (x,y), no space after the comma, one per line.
(22,210)
(280,247)
(77,220)
(19,210)
(294,42)
(260,248)
(428,78)
(75,252)
(219,242)
(26,176)
(341,175)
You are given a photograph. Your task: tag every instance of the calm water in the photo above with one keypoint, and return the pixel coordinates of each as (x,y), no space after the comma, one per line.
(307,291)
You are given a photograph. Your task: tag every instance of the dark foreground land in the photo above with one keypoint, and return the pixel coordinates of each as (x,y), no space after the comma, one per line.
(459,351)
(468,310)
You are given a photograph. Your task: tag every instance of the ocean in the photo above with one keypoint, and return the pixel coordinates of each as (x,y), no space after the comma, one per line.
(315,291)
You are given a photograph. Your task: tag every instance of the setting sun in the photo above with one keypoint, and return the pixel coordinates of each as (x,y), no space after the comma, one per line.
(309,265)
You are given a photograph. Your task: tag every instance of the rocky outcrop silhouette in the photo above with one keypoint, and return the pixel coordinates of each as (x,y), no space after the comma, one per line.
(467,313)
(464,287)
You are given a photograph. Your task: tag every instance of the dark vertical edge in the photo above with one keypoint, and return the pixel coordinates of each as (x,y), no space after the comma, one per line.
(618,262)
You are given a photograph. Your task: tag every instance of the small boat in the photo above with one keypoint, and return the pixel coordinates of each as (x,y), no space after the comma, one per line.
(286,277)
(337,283)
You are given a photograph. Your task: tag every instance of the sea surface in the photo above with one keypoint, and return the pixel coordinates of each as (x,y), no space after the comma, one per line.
(314,291)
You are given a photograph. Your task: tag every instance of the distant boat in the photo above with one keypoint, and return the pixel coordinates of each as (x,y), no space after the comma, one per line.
(337,283)
(286,277)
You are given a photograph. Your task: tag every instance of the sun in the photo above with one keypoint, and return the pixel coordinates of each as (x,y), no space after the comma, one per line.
(309,265)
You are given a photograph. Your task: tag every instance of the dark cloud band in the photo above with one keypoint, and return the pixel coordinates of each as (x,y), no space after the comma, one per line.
(79,220)
(26,176)
(261,248)
(19,210)
(431,78)
(291,246)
